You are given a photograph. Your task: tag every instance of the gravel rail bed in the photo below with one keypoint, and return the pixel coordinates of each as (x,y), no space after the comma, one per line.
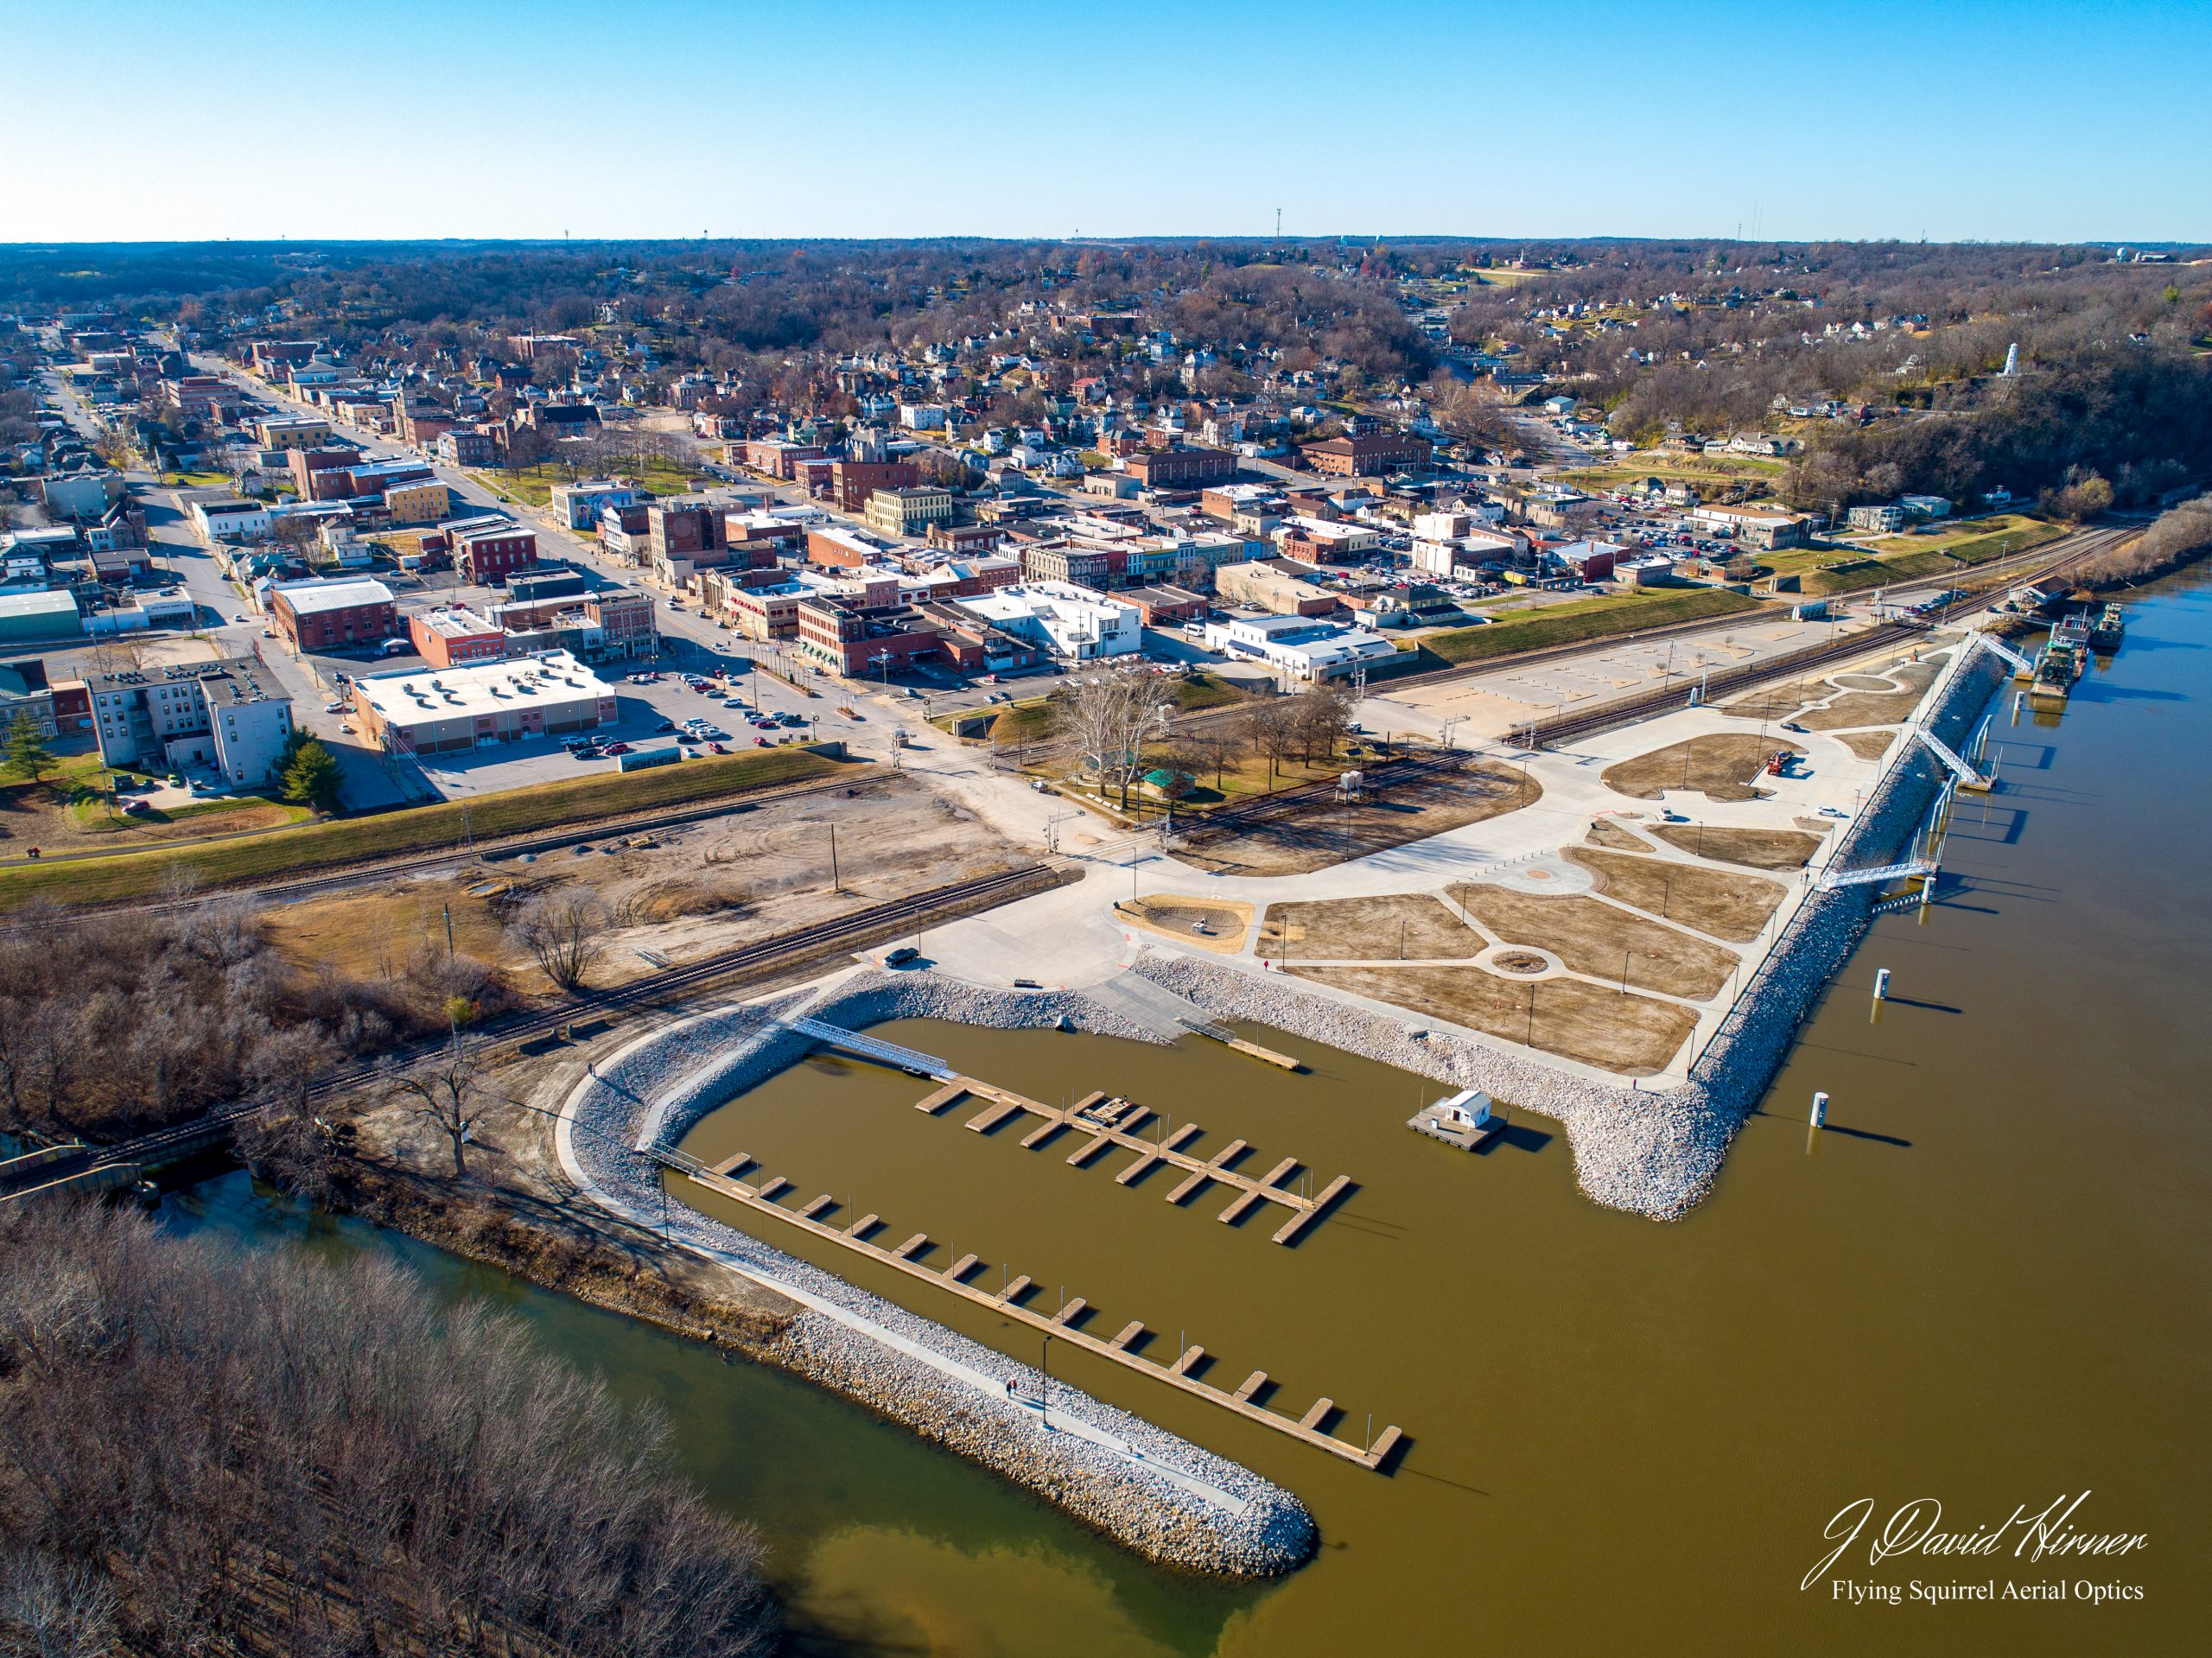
(962,1394)
(1649,1151)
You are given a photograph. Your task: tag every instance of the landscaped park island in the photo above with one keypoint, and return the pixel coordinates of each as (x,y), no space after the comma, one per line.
(1618,936)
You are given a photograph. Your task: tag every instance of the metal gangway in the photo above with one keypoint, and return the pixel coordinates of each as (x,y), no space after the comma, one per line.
(2020,664)
(869,1047)
(1905,869)
(1968,777)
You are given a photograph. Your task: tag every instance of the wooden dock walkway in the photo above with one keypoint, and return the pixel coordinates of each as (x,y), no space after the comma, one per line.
(1109,1122)
(1062,1324)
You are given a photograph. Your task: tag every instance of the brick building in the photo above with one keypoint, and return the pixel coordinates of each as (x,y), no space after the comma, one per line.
(1366,457)
(851,482)
(331,615)
(454,638)
(1181,468)
(488,552)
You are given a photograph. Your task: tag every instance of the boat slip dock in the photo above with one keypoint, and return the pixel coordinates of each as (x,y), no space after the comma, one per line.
(1110,1122)
(1065,1323)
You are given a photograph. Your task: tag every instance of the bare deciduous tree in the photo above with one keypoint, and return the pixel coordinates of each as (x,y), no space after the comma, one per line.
(204,1451)
(451,1096)
(565,934)
(1111,714)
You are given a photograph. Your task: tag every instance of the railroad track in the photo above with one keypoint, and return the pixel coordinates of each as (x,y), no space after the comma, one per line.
(752,959)
(2089,544)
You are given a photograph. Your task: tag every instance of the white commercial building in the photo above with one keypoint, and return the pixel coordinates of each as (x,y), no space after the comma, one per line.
(427,711)
(1299,647)
(1066,620)
(230,519)
(1442,556)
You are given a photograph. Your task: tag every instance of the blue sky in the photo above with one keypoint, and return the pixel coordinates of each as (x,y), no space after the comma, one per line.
(154,119)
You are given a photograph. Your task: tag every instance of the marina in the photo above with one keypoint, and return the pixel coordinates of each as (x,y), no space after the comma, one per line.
(1067,1321)
(1111,1122)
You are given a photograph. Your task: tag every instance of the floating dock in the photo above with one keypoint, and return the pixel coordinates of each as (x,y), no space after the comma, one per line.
(1180,1373)
(1464,1119)
(1110,1122)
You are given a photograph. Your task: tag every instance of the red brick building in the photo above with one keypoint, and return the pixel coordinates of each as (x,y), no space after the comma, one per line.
(331,615)
(453,638)
(1366,457)
(856,643)
(1182,468)
(851,482)
(489,554)
(966,538)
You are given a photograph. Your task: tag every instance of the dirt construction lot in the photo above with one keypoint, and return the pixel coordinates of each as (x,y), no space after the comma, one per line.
(1593,938)
(1397,926)
(682,894)
(1331,832)
(1713,901)
(1632,1035)
(1721,765)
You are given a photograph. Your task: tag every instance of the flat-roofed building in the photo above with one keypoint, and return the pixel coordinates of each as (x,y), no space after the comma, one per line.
(435,711)
(229,716)
(332,615)
(1299,647)
(1076,622)
(1269,585)
(1763,527)
(456,636)
(909,511)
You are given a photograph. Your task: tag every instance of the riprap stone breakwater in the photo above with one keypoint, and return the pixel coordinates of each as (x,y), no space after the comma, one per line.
(1651,1152)
(1159,1495)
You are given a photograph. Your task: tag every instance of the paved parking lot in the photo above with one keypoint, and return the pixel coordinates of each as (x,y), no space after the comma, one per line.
(1491,704)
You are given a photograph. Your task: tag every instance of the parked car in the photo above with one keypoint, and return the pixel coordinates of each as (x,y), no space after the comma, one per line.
(903,955)
(718,748)
(616,748)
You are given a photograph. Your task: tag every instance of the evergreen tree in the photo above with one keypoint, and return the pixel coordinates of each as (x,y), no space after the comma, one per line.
(311,775)
(27,754)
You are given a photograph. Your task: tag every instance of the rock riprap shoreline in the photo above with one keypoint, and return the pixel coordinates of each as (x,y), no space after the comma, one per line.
(1166,1499)
(1651,1152)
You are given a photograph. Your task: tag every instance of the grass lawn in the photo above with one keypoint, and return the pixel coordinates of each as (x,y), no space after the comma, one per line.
(424,829)
(1976,543)
(1585,618)
(1688,468)
(533,486)
(1206,691)
(195,479)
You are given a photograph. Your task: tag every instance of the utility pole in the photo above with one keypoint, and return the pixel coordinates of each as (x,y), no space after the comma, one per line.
(836,886)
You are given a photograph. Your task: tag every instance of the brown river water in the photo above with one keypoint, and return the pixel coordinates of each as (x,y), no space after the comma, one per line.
(1984,1284)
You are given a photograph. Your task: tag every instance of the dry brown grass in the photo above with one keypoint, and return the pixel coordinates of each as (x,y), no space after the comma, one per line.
(1867,745)
(1757,848)
(1608,832)
(1594,937)
(1773,702)
(1332,833)
(1180,918)
(1861,682)
(368,934)
(1631,1035)
(1721,765)
(1874,708)
(1410,926)
(1713,901)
